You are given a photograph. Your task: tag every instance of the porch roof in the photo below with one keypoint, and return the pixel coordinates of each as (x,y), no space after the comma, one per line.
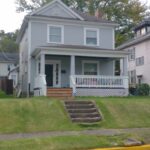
(78,50)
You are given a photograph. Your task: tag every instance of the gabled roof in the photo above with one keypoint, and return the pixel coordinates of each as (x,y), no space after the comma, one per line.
(69,10)
(9,57)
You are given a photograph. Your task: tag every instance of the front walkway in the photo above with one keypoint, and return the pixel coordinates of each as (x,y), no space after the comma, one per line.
(102,132)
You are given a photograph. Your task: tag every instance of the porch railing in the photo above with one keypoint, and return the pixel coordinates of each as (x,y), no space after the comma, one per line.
(87,81)
(40,88)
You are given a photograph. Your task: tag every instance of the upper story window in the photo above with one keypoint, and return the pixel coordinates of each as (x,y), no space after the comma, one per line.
(55,34)
(140,61)
(132,54)
(91,37)
(143,31)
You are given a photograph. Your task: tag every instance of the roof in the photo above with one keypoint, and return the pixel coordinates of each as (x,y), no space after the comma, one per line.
(74,47)
(77,50)
(134,41)
(144,23)
(9,57)
(90,18)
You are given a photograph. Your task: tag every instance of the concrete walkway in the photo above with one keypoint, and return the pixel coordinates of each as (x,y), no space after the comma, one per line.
(102,132)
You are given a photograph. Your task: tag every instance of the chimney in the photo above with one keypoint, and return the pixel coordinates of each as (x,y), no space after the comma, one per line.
(98,14)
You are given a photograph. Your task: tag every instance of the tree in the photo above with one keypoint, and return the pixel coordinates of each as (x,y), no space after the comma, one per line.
(127,13)
(8,41)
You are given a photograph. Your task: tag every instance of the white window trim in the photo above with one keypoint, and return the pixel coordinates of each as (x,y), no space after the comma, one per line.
(91,29)
(92,62)
(62,33)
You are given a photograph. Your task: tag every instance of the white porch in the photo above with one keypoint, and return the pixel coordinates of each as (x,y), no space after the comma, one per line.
(81,84)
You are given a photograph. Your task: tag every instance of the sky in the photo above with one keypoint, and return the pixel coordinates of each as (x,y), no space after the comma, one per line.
(10,20)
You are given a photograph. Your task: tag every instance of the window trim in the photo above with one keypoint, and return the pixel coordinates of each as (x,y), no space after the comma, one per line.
(62,33)
(85,35)
(138,63)
(131,54)
(91,62)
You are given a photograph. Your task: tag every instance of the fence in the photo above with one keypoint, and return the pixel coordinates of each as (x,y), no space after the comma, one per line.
(6,85)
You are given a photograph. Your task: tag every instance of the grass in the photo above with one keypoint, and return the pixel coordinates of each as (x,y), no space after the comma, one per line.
(44,114)
(63,143)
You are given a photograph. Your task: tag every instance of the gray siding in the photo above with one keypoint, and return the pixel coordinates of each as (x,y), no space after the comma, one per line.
(73,35)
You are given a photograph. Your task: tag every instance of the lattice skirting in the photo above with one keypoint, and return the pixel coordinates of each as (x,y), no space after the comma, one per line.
(101,92)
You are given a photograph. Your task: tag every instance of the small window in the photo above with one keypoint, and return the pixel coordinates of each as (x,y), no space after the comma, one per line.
(91,37)
(55,34)
(90,68)
(132,54)
(140,61)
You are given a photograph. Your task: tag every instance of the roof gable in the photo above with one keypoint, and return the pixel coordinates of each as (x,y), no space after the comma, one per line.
(57,9)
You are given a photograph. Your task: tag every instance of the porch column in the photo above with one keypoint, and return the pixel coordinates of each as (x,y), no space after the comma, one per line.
(37,66)
(72,66)
(125,67)
(125,72)
(72,73)
(42,64)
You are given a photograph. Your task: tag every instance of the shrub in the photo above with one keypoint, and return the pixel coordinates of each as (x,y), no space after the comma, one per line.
(2,94)
(143,89)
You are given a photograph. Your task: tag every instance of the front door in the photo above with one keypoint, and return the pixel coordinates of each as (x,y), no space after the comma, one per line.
(49,74)
(53,73)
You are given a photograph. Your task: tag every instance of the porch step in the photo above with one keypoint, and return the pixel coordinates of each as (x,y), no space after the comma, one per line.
(59,92)
(82,111)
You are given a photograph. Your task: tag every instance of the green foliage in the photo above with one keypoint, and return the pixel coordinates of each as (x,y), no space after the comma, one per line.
(8,41)
(2,94)
(143,89)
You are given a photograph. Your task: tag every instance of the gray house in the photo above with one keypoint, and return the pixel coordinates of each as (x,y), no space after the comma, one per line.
(64,49)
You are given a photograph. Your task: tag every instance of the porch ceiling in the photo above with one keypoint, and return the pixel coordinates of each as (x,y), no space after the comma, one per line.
(77,50)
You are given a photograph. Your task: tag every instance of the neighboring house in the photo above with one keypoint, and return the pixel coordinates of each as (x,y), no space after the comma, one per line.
(9,61)
(64,48)
(139,57)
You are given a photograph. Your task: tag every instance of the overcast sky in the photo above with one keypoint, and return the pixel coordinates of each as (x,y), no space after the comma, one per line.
(10,20)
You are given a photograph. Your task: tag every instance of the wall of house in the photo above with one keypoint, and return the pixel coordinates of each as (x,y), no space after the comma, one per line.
(141,49)
(73,34)
(4,66)
(23,74)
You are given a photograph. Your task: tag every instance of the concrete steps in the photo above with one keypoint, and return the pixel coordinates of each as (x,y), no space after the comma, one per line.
(59,92)
(82,111)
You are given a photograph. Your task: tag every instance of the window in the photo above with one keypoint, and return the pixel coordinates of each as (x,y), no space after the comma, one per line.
(90,68)
(132,54)
(55,34)
(143,31)
(132,77)
(91,37)
(140,61)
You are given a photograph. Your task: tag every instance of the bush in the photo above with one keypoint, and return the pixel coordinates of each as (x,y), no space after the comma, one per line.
(2,94)
(143,89)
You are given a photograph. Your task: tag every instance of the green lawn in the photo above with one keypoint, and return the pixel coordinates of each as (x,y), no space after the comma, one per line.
(63,143)
(44,114)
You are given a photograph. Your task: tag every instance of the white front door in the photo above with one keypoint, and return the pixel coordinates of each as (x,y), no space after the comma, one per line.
(53,73)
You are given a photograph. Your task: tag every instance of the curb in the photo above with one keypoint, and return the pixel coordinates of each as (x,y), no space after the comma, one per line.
(144,147)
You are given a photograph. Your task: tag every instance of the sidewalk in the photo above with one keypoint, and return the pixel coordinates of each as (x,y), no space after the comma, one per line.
(102,132)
